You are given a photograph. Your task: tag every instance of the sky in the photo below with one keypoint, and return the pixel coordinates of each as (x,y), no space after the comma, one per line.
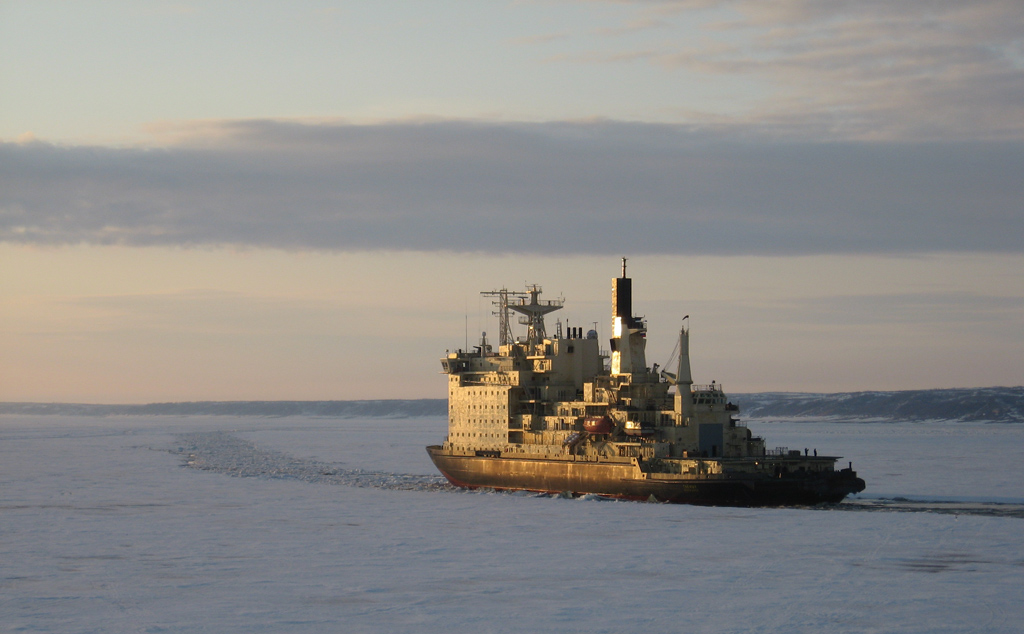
(262,201)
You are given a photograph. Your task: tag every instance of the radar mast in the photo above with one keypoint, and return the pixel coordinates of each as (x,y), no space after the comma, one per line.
(534,314)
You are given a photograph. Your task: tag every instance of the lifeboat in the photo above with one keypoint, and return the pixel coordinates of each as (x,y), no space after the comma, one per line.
(598,425)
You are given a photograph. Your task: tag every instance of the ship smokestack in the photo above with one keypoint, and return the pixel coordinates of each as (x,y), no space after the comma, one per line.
(628,342)
(622,299)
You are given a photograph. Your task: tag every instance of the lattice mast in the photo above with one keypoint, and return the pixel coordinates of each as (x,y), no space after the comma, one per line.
(501,303)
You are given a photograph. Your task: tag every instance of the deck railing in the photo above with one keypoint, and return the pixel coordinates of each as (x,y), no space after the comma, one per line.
(714,387)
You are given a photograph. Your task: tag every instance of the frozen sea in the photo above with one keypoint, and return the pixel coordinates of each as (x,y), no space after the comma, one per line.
(220,524)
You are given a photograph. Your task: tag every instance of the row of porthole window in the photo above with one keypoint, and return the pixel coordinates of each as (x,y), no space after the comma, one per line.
(472,422)
(482,421)
(500,380)
(484,392)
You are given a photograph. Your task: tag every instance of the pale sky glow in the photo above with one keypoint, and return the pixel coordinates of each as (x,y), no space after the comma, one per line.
(116,324)
(237,200)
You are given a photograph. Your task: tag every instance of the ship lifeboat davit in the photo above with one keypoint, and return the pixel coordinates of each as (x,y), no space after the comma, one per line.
(598,425)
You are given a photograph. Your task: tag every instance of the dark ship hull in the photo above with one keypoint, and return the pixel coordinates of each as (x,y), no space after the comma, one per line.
(628,480)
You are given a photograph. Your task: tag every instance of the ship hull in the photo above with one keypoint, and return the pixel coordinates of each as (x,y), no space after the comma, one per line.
(628,481)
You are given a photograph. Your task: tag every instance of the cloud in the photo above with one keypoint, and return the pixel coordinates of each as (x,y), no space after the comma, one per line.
(634,26)
(545,188)
(856,69)
(544,38)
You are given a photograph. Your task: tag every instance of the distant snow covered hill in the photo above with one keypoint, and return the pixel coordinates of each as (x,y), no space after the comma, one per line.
(326,409)
(994,404)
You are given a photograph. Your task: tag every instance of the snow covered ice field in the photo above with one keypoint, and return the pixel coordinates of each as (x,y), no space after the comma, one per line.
(219,524)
